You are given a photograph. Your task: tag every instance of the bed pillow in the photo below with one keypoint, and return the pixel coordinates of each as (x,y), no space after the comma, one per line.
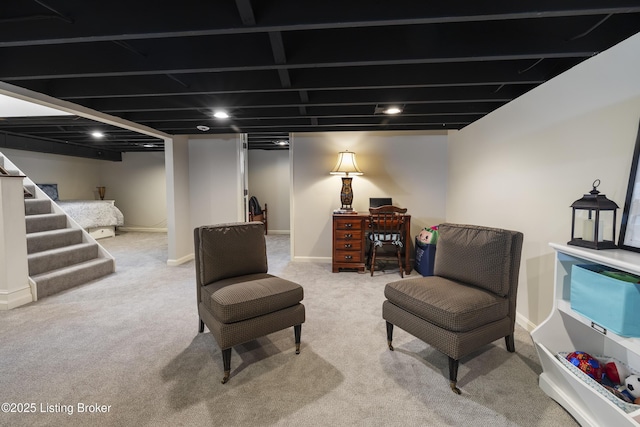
(50,190)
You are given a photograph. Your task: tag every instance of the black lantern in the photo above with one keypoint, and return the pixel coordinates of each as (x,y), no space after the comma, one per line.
(598,220)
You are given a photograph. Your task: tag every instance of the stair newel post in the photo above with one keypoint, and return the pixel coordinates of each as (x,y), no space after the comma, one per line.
(14,271)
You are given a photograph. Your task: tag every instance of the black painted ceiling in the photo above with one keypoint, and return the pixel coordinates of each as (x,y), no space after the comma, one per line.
(280,66)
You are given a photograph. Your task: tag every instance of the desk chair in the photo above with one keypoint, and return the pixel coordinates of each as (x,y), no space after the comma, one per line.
(387,230)
(256,213)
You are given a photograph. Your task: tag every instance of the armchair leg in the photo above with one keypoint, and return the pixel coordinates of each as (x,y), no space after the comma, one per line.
(453,375)
(390,335)
(297,330)
(510,342)
(201,326)
(226,361)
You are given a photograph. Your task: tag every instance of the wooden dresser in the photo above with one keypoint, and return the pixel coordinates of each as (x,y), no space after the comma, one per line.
(349,242)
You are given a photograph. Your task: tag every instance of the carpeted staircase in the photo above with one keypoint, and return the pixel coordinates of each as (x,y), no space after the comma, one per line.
(60,254)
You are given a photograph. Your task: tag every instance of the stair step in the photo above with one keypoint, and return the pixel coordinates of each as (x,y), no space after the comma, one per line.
(52,239)
(59,280)
(12,171)
(31,188)
(37,206)
(54,259)
(58,257)
(44,222)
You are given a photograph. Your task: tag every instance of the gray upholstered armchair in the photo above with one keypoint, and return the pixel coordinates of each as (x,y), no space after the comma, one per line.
(237,299)
(471,299)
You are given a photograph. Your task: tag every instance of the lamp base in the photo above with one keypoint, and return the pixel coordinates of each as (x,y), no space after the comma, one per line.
(346,194)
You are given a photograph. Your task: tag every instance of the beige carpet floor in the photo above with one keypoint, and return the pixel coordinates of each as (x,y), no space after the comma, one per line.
(129,343)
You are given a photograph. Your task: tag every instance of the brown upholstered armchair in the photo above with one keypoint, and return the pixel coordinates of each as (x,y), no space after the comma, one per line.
(237,299)
(471,299)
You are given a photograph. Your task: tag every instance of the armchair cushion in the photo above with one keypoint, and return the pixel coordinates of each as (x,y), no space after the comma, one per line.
(457,257)
(220,246)
(448,304)
(251,296)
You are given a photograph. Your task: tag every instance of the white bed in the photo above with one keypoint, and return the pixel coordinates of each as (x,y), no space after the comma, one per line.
(99,217)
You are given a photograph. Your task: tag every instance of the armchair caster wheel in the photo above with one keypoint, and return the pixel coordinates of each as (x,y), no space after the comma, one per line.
(455,389)
(226,377)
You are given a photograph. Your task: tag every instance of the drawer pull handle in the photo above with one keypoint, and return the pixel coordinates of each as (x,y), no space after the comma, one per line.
(348,225)
(347,245)
(348,235)
(348,257)
(599,328)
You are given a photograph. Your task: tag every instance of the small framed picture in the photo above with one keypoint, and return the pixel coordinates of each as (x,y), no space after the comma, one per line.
(630,225)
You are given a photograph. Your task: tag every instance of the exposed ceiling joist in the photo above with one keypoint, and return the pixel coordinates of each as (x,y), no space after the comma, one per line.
(276,66)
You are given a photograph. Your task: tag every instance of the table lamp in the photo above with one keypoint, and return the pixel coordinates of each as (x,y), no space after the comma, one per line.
(347,167)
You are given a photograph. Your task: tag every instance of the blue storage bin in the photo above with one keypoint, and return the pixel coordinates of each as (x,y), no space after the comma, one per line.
(611,303)
(425,257)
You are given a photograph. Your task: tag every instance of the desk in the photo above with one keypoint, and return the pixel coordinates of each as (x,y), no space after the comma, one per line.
(350,242)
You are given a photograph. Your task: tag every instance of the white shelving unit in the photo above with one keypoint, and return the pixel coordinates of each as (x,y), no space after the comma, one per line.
(566,330)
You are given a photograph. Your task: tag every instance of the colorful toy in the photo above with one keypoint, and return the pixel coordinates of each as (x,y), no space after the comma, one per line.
(586,363)
(629,391)
(616,372)
(429,236)
(632,384)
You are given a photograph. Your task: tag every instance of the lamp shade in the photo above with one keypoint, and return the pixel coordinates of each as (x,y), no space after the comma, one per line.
(346,164)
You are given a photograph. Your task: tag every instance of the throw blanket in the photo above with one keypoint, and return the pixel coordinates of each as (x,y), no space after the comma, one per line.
(93,213)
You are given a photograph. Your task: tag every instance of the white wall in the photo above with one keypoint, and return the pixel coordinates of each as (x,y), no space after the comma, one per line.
(138,186)
(410,167)
(179,231)
(269,181)
(215,185)
(77,178)
(523,165)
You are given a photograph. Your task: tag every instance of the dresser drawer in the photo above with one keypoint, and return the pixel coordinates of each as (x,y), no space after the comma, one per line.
(348,244)
(348,256)
(348,224)
(348,235)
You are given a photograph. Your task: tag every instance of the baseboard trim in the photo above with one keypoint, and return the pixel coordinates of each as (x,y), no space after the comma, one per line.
(278,232)
(143,229)
(9,300)
(179,261)
(323,260)
(524,322)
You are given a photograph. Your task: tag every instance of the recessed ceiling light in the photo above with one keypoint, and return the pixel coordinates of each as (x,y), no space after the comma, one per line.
(281,142)
(97,134)
(393,110)
(389,109)
(202,128)
(149,145)
(221,114)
